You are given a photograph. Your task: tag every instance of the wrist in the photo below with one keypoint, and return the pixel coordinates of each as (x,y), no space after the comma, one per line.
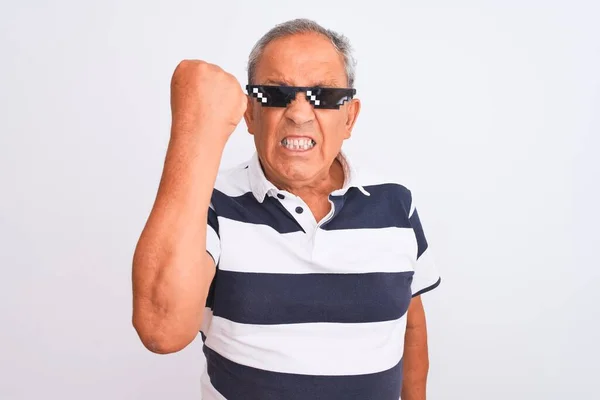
(208,134)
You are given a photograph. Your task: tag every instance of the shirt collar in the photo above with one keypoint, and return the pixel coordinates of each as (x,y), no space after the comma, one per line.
(261,186)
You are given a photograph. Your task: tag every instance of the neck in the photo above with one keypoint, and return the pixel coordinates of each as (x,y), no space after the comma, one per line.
(319,187)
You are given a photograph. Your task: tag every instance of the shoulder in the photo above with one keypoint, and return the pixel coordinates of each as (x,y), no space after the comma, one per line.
(233,181)
(385,185)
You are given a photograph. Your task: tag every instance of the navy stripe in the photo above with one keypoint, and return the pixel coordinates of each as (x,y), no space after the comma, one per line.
(262,298)
(428,288)
(415,222)
(240,382)
(387,206)
(246,208)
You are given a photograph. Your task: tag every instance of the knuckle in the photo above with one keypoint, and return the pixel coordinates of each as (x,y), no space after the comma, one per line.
(191,65)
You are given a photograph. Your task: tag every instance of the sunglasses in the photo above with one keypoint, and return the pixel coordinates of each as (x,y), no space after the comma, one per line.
(281,96)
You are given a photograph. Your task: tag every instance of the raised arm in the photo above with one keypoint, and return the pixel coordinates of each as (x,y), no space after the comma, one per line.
(172,271)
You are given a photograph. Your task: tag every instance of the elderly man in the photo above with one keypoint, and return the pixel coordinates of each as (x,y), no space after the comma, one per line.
(305,281)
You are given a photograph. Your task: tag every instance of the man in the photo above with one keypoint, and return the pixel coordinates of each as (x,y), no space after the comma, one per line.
(306,280)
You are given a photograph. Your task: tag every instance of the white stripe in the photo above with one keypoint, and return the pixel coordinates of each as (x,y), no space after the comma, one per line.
(366,250)
(260,248)
(313,348)
(249,247)
(206,320)
(426,273)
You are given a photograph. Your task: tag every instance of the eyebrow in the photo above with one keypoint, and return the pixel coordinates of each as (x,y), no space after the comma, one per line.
(283,82)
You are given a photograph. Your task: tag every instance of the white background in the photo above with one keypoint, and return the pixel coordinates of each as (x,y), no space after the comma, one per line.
(489,111)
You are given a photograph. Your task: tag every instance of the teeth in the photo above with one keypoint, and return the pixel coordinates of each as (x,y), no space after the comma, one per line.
(298,144)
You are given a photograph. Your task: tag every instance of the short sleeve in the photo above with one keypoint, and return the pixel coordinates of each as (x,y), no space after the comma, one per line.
(213,242)
(426,276)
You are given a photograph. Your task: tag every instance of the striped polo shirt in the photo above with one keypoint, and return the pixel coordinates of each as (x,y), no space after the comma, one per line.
(301,309)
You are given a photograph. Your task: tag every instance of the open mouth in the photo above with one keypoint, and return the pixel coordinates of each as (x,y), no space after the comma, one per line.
(298,144)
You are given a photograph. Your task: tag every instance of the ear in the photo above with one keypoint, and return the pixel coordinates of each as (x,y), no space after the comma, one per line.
(249,115)
(352,115)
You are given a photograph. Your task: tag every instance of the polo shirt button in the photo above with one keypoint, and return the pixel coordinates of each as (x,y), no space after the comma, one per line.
(299,210)
(280,196)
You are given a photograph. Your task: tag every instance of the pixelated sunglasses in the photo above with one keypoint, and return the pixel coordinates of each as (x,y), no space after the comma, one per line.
(319,97)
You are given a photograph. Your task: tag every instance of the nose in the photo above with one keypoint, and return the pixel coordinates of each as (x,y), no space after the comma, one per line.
(299,111)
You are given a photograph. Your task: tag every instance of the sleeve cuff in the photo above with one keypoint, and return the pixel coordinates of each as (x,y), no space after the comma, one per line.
(428,288)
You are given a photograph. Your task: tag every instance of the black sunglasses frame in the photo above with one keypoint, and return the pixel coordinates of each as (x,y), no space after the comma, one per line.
(318,97)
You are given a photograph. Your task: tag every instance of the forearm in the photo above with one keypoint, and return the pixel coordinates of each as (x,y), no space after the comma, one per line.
(415,362)
(171,269)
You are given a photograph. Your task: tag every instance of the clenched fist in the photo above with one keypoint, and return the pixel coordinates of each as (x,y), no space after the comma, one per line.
(206,98)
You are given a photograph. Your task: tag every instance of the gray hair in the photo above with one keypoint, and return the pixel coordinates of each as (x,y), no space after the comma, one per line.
(298,26)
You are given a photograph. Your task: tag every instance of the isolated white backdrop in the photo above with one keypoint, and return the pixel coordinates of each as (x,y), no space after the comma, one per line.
(487,110)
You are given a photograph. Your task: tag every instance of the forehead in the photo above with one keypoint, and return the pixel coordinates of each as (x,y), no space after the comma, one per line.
(301,60)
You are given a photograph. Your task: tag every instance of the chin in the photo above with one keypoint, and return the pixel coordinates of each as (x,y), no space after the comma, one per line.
(298,171)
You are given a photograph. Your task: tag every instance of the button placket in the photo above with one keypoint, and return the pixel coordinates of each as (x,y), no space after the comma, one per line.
(298,209)
(316,250)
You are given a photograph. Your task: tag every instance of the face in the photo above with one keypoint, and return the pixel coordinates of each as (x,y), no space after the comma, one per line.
(281,134)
